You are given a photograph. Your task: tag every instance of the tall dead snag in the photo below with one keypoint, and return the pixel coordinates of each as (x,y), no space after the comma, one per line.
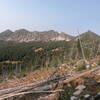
(82,51)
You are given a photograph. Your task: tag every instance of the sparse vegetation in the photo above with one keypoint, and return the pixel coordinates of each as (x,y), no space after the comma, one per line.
(81,67)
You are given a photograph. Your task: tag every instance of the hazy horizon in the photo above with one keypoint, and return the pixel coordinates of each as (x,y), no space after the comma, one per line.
(42,15)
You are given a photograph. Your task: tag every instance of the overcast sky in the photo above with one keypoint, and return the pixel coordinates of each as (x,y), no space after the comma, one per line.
(61,15)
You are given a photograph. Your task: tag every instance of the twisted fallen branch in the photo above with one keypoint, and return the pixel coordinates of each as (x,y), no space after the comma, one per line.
(29,92)
(16,90)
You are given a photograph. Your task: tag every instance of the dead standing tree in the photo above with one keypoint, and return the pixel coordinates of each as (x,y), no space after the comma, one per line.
(82,51)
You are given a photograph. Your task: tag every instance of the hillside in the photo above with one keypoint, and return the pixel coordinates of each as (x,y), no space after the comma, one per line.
(89,36)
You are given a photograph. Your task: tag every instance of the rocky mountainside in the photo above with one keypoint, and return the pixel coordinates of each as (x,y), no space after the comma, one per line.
(23,35)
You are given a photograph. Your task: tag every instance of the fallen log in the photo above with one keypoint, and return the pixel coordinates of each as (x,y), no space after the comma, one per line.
(29,92)
(32,86)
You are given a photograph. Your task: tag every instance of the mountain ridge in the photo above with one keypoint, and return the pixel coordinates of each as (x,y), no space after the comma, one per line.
(23,35)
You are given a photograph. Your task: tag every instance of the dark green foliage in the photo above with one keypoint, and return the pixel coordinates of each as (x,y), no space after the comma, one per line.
(10,75)
(79,47)
(81,67)
(1,79)
(21,74)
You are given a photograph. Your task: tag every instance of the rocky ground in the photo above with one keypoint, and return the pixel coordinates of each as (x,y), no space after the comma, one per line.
(86,87)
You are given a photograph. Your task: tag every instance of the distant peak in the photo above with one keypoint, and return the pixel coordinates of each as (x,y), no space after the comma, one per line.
(52,31)
(22,30)
(8,30)
(89,32)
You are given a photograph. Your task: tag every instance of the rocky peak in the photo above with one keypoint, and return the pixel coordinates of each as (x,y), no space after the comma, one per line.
(23,35)
(22,31)
(6,32)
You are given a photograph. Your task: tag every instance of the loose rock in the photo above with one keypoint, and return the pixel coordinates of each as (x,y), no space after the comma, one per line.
(80,87)
(73,98)
(87,96)
(77,93)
